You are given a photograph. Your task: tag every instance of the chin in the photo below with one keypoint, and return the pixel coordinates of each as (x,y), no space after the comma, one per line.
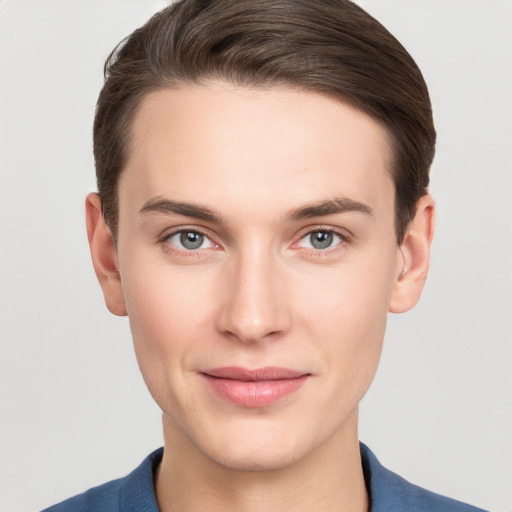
(261,449)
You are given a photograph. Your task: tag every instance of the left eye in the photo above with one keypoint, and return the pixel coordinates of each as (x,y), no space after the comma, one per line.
(190,240)
(320,240)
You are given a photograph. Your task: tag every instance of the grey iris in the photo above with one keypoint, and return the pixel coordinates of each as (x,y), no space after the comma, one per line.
(321,239)
(191,240)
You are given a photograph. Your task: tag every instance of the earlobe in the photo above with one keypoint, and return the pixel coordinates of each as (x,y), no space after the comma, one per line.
(104,256)
(414,257)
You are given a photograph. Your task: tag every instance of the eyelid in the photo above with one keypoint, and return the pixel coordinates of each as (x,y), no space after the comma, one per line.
(169,233)
(344,235)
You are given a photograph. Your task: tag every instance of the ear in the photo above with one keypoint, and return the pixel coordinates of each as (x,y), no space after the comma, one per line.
(104,256)
(414,257)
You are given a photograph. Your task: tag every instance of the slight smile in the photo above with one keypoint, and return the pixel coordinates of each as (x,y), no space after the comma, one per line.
(254,388)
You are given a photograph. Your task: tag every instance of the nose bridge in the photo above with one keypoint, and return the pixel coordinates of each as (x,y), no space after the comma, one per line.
(255,307)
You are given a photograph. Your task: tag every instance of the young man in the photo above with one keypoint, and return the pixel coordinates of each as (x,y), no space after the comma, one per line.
(262,169)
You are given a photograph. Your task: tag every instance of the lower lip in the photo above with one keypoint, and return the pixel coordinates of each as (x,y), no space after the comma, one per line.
(258,393)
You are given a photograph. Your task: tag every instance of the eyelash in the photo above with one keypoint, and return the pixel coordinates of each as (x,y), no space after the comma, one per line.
(345,239)
(187,253)
(171,248)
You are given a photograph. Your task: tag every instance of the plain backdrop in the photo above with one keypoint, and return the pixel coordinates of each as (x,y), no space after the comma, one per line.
(74,409)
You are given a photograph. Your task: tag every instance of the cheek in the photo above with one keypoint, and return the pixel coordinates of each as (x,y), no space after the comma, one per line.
(352,335)
(164,304)
(166,311)
(345,310)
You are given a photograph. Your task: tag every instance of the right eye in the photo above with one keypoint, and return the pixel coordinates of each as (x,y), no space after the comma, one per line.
(189,240)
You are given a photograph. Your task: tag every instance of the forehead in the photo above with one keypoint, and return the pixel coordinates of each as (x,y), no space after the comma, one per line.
(235,145)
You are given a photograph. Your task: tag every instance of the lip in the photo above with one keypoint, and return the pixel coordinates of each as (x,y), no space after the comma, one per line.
(258,387)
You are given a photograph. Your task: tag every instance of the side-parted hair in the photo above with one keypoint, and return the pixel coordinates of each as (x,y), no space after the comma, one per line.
(330,47)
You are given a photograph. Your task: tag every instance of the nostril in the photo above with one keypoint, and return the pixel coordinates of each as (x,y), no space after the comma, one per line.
(251,306)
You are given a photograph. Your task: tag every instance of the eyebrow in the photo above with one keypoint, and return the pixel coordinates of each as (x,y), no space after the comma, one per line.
(167,206)
(197,211)
(328,207)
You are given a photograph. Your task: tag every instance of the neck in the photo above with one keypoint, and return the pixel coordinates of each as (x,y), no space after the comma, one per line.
(329,478)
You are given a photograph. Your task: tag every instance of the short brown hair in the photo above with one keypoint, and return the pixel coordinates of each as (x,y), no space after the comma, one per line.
(331,47)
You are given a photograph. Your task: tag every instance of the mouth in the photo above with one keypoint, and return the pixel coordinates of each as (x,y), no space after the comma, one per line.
(258,387)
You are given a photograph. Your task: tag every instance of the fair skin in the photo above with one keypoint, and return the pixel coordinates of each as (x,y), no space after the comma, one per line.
(256,231)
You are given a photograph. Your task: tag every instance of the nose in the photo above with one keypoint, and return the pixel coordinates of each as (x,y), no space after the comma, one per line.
(254,304)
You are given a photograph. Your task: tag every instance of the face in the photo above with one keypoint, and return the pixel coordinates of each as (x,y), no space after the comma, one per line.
(258,260)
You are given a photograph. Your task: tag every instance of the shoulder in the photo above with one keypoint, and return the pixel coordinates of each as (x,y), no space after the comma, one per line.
(134,492)
(392,493)
(104,497)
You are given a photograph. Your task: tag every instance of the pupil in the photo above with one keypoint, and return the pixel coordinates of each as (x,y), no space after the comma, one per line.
(191,240)
(321,239)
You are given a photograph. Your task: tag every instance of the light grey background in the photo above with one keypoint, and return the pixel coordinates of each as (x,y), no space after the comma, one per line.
(74,410)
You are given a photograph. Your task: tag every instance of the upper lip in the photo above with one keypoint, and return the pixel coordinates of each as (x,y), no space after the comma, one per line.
(256,374)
